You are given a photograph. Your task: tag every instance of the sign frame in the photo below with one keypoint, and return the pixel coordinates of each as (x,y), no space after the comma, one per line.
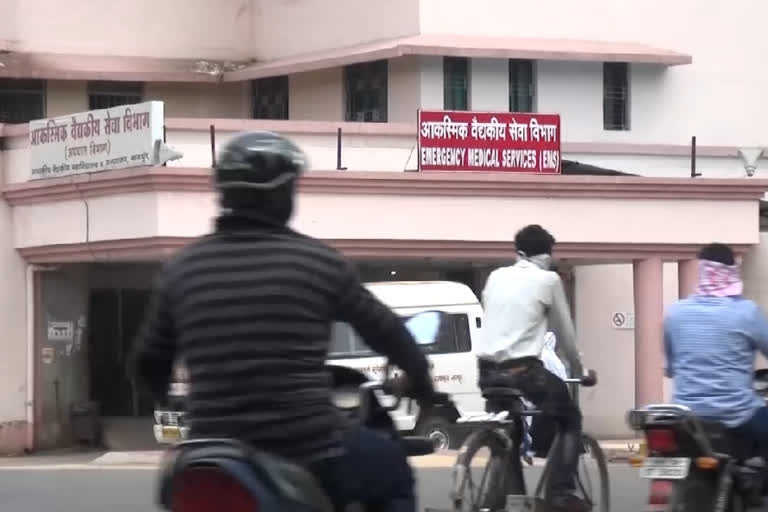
(554,122)
(95,141)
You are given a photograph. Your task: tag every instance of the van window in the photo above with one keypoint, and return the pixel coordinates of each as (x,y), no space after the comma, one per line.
(453,337)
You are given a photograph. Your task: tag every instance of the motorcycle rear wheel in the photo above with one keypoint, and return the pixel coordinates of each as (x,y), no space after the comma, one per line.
(696,493)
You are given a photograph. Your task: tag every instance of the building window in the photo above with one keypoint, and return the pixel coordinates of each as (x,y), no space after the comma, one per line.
(455,83)
(270,98)
(114,94)
(521,86)
(616,96)
(365,86)
(21,100)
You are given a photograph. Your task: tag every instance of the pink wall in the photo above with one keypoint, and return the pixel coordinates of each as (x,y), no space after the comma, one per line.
(171,28)
(411,217)
(224,29)
(676,102)
(289,27)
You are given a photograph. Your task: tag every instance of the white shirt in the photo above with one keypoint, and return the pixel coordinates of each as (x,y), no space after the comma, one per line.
(521,303)
(550,359)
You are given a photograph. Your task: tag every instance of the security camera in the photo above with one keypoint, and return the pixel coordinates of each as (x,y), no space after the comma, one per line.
(163,153)
(750,156)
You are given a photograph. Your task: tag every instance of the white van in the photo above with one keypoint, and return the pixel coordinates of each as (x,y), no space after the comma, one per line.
(454,365)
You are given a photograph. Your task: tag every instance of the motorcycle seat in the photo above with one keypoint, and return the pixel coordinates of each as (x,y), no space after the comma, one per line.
(282,477)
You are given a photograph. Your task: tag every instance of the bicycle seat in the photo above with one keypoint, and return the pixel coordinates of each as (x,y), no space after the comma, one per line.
(501,393)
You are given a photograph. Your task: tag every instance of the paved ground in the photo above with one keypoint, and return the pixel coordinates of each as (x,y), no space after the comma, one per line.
(83,483)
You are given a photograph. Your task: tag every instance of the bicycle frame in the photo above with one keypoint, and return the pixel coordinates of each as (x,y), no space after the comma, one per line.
(514,430)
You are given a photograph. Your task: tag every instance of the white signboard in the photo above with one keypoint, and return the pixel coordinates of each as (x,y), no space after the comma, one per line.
(622,320)
(99,140)
(61,331)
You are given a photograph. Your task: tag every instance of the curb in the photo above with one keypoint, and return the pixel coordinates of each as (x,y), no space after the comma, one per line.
(622,451)
(615,451)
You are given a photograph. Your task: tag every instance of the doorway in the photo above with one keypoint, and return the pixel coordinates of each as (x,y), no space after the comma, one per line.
(116,314)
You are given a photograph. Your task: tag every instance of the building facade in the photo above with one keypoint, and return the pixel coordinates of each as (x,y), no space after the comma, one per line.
(78,252)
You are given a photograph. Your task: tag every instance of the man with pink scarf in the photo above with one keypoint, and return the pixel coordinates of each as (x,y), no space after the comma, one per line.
(711,339)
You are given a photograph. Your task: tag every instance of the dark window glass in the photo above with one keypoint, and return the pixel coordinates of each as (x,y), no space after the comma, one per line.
(270,98)
(365,88)
(521,86)
(455,83)
(114,94)
(616,96)
(21,100)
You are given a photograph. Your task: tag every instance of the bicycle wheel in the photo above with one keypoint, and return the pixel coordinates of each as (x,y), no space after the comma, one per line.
(467,495)
(592,463)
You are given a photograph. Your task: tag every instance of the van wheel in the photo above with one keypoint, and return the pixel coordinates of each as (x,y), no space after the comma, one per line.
(438,430)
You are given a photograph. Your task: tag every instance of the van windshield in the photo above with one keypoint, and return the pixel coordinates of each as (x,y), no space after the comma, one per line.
(452,337)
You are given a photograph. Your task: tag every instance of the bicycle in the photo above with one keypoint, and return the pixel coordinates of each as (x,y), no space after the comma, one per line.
(505,489)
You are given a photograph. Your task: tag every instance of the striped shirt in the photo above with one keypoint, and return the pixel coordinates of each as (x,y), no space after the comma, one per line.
(249,309)
(710,345)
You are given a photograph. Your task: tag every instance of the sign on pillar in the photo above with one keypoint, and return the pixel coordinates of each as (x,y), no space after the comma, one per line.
(622,320)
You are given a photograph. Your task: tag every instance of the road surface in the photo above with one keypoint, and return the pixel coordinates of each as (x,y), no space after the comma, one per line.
(36,489)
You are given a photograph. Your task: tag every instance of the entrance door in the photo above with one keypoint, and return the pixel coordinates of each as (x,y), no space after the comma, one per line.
(115,318)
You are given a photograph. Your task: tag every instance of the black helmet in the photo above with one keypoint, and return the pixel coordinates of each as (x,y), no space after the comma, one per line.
(258,160)
(256,176)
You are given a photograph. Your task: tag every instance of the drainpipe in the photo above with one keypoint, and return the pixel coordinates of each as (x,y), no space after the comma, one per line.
(30,404)
(30,335)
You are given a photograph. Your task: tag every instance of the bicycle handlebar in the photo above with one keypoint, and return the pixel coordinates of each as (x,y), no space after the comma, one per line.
(589,380)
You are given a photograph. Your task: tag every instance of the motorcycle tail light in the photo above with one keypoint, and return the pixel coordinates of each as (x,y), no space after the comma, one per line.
(661,440)
(208,489)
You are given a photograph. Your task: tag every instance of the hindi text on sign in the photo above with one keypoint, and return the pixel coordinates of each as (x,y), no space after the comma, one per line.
(511,142)
(98,140)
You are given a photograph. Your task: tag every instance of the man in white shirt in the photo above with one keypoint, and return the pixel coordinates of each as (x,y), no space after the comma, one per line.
(522,302)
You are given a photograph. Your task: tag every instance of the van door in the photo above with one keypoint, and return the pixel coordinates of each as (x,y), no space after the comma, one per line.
(452,358)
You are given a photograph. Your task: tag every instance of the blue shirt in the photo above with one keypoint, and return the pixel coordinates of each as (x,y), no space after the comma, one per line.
(710,345)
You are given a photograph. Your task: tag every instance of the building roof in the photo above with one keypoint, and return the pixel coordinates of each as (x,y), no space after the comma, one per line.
(100,67)
(451,45)
(573,168)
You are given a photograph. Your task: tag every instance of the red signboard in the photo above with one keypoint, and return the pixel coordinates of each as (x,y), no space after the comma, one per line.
(489,141)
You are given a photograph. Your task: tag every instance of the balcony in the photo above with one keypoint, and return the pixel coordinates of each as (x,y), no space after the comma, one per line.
(329,145)
(332,145)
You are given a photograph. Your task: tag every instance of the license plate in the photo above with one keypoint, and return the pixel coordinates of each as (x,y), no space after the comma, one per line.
(666,468)
(172,433)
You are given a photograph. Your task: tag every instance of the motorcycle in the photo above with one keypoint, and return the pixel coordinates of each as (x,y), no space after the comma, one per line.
(695,465)
(203,475)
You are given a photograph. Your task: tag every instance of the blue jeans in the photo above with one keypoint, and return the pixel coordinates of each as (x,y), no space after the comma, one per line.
(373,471)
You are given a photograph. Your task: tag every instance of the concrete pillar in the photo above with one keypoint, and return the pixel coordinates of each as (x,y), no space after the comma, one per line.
(687,277)
(649,311)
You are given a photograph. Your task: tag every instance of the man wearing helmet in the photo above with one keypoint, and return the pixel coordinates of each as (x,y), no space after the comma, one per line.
(250,307)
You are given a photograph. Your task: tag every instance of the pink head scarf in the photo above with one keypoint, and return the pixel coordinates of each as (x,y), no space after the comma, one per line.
(719,280)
